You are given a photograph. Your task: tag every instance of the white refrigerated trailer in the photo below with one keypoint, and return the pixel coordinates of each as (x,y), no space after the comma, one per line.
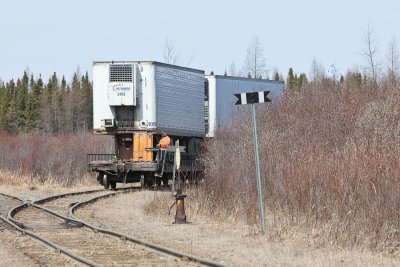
(135,102)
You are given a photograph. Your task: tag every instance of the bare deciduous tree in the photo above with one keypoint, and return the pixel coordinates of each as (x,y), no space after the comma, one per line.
(334,72)
(189,61)
(317,72)
(393,60)
(370,52)
(170,55)
(232,69)
(255,63)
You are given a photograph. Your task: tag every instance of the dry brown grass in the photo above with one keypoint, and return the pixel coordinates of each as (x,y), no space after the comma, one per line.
(11,179)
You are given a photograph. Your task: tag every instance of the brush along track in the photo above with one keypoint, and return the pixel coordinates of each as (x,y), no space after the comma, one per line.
(94,248)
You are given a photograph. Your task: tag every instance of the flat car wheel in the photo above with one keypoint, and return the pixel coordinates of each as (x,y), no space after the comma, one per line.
(106,182)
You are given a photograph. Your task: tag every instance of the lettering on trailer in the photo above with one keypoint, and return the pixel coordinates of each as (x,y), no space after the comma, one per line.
(121,88)
(252,98)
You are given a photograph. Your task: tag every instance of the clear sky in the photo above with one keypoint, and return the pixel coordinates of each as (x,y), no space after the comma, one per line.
(60,35)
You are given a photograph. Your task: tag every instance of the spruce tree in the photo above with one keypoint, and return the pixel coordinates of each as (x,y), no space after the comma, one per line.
(6,98)
(32,111)
(87,92)
(302,81)
(21,101)
(61,99)
(290,80)
(49,107)
(75,105)
(341,79)
(13,122)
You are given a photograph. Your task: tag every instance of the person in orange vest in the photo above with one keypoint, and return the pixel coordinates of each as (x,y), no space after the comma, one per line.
(163,145)
(164,141)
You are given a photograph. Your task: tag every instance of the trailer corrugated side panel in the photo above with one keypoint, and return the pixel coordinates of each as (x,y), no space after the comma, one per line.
(179,100)
(227,86)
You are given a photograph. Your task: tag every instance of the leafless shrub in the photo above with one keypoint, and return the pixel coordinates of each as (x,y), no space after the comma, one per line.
(42,158)
(329,165)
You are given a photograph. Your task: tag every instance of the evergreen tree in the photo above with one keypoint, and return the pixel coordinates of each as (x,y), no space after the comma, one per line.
(290,81)
(5,101)
(49,109)
(61,99)
(74,104)
(22,92)
(21,101)
(302,81)
(55,107)
(31,105)
(32,111)
(13,121)
(87,102)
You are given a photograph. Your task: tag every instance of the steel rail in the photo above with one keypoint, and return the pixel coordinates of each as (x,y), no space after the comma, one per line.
(12,212)
(79,223)
(48,199)
(142,242)
(49,243)
(20,226)
(16,225)
(11,196)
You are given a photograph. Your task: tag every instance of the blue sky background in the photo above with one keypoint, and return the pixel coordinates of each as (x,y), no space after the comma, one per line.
(49,35)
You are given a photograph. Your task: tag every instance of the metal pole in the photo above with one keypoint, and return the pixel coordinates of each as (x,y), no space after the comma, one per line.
(260,202)
(174,169)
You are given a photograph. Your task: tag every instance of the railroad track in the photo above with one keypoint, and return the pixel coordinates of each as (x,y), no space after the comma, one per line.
(7,202)
(20,249)
(47,220)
